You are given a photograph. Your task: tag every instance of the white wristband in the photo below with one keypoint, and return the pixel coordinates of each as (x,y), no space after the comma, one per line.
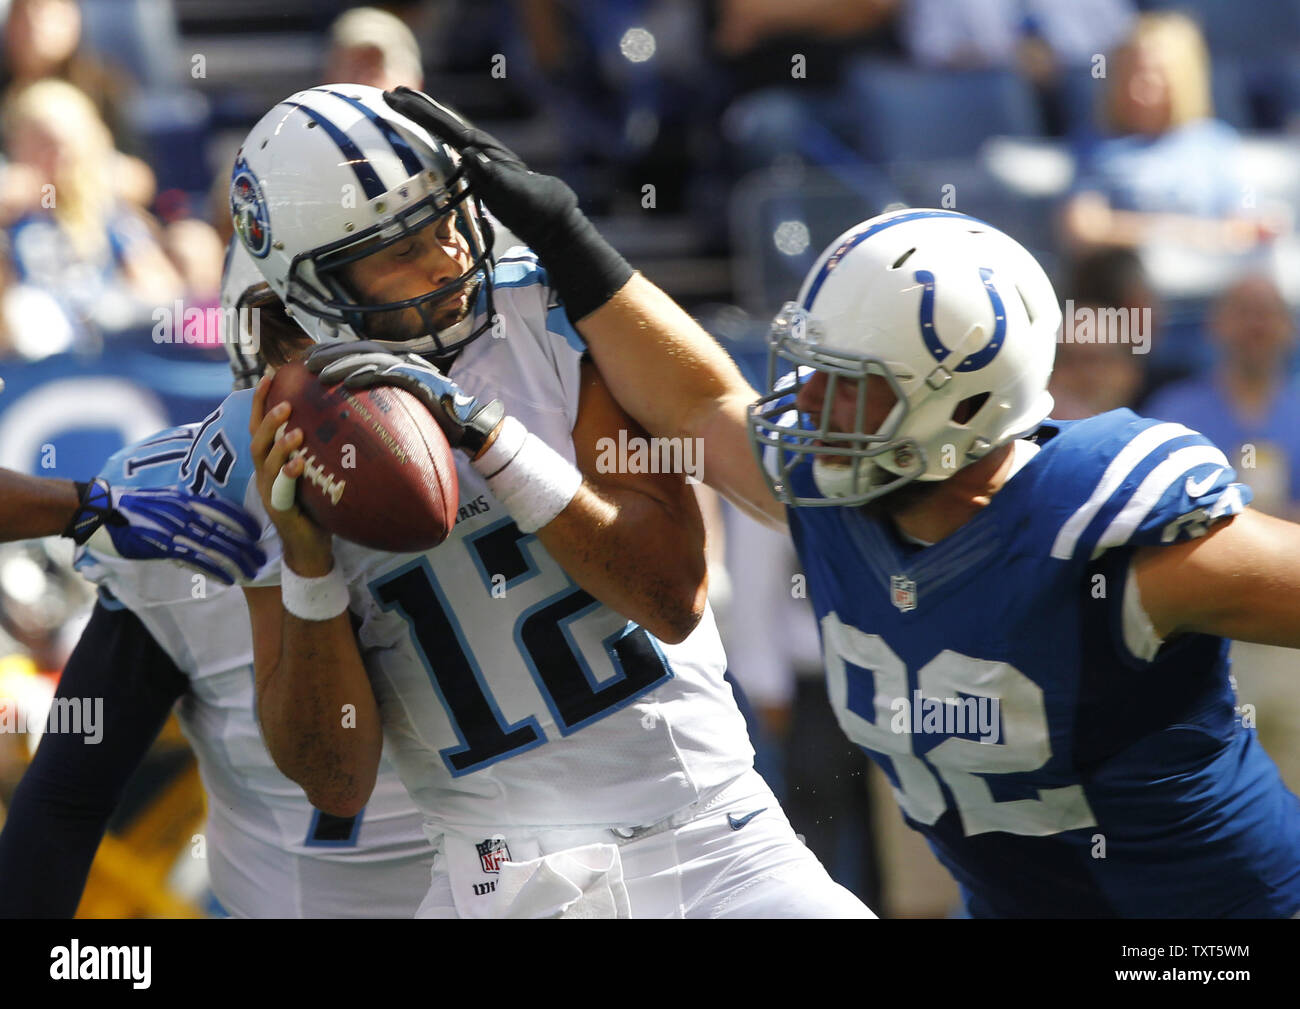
(533,481)
(322,598)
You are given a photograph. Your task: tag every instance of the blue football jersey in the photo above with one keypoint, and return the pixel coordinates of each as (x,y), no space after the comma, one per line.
(1056,765)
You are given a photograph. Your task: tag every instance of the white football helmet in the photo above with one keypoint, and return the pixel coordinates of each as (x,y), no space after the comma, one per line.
(332,174)
(945,308)
(240,278)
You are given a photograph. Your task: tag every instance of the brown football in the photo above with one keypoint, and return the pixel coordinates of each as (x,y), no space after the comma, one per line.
(379,470)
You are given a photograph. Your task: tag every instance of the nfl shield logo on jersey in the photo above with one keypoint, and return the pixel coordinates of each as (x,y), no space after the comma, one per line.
(492,853)
(902,591)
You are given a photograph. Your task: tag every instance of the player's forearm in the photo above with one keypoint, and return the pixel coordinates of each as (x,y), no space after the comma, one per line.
(635,556)
(1090,220)
(675,380)
(318,713)
(662,367)
(31,507)
(731,465)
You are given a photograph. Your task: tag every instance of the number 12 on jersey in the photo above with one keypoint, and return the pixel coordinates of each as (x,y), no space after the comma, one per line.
(541,634)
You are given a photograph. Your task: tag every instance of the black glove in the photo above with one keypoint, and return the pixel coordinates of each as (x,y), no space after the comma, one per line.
(465,421)
(542,210)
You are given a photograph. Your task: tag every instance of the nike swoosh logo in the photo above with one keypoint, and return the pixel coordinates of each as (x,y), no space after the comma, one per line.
(1195,490)
(739,821)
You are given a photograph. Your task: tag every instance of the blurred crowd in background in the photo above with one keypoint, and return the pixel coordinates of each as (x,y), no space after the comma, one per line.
(1147,152)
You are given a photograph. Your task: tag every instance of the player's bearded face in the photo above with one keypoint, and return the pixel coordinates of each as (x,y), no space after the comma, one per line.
(430,258)
(812,400)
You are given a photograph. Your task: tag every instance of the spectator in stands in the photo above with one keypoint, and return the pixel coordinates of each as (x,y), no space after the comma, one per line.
(1249,405)
(198,256)
(1108,300)
(371,46)
(1169,172)
(775,117)
(1037,36)
(42,38)
(1091,378)
(625,89)
(1050,42)
(90,260)
(366,46)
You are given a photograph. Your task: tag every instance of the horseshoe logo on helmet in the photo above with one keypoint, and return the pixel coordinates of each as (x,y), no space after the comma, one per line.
(938,350)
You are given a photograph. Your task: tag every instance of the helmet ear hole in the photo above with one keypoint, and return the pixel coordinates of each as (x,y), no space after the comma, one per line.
(968,408)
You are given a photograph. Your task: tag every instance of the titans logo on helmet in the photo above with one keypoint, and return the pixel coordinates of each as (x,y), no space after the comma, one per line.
(248,209)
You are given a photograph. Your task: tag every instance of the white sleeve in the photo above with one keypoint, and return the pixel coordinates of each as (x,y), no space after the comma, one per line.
(758,652)
(1140,636)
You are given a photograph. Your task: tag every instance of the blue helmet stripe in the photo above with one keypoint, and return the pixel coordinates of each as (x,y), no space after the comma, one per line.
(361,165)
(936,346)
(410,160)
(843,249)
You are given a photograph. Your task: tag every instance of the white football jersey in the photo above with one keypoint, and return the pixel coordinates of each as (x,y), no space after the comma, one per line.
(511,697)
(270,853)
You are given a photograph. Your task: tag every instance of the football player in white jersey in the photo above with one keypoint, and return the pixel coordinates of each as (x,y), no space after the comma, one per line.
(158,637)
(549,679)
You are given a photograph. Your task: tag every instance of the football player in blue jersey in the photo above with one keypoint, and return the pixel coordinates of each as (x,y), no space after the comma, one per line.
(1025,622)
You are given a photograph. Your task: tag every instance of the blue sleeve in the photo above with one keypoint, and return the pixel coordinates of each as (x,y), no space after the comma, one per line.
(151,462)
(62,805)
(219,462)
(211,459)
(1139,482)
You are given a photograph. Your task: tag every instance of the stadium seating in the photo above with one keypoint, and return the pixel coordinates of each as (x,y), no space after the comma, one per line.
(909,114)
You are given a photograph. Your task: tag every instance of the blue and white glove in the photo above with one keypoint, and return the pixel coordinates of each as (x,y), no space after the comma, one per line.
(165,524)
(465,421)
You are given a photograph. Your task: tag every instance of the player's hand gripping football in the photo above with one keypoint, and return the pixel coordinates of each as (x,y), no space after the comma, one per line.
(540,209)
(308,549)
(167,524)
(467,423)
